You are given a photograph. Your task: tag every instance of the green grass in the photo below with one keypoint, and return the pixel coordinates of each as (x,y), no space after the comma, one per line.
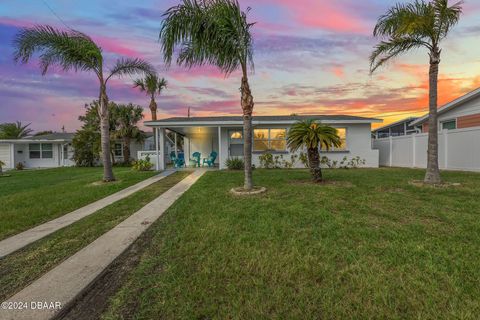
(22,267)
(371,246)
(29,198)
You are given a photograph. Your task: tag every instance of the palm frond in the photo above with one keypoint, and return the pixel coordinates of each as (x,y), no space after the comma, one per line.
(312,134)
(389,49)
(212,32)
(128,66)
(139,83)
(69,49)
(446,17)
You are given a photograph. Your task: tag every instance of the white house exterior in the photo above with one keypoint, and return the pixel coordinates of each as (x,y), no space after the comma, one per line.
(46,151)
(54,150)
(224,135)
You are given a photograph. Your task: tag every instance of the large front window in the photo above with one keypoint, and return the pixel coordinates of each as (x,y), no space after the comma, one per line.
(269,140)
(342,133)
(40,150)
(118,150)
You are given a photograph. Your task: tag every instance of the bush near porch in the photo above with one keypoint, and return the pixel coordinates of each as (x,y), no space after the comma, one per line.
(368,245)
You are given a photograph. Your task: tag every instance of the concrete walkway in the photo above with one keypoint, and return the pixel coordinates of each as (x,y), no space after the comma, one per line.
(64,283)
(20,240)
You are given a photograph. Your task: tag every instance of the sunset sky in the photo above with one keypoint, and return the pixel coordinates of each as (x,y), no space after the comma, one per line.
(311,57)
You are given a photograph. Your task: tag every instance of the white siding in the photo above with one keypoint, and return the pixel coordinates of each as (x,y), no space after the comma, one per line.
(6,155)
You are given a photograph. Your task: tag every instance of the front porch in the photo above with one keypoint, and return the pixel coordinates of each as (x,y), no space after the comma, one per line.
(217,141)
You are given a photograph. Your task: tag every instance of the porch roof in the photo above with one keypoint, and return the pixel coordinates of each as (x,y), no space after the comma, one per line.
(238,120)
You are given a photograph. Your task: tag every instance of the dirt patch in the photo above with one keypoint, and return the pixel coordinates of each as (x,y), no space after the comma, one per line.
(420,183)
(95,299)
(242,192)
(103,183)
(346,184)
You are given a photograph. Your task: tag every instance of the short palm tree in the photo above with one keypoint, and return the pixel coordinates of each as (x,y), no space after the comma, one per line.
(152,85)
(14,130)
(411,26)
(127,117)
(74,50)
(313,136)
(214,32)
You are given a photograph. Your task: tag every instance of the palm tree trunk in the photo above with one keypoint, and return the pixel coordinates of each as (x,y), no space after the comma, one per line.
(153,108)
(105,135)
(247,107)
(126,150)
(432,175)
(314,164)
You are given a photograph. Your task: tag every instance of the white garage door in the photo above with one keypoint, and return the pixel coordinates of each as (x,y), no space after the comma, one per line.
(5,155)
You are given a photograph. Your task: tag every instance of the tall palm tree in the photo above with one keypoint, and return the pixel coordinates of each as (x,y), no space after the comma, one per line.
(74,50)
(214,32)
(412,26)
(14,130)
(152,85)
(313,136)
(127,117)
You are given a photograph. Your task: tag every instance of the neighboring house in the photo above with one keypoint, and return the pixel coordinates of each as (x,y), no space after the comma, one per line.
(461,113)
(399,128)
(52,150)
(45,151)
(224,135)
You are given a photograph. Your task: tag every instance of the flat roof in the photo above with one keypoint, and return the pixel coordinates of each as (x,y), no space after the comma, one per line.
(258,120)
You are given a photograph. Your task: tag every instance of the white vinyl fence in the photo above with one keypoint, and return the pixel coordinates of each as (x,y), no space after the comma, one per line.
(457,150)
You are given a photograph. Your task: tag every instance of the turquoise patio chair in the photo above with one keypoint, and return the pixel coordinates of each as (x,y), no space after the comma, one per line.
(180,161)
(195,160)
(210,161)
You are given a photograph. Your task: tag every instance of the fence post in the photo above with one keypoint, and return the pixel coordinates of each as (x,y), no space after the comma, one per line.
(391,150)
(445,139)
(414,153)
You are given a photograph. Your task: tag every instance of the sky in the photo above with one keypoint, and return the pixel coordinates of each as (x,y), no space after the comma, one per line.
(311,57)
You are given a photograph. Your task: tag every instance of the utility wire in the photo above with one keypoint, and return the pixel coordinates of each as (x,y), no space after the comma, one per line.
(56,15)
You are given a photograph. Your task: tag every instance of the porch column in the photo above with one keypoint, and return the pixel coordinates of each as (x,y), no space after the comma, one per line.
(161,154)
(176,150)
(220,162)
(157,162)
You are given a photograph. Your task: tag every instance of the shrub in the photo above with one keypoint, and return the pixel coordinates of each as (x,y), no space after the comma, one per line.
(20,166)
(142,164)
(343,164)
(1,165)
(235,164)
(303,159)
(266,161)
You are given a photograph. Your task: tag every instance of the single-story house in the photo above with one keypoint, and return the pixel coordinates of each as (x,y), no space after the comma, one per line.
(461,113)
(395,129)
(55,150)
(224,135)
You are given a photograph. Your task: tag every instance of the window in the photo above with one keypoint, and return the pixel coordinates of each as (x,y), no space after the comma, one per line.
(118,150)
(342,133)
(269,139)
(449,125)
(236,135)
(40,150)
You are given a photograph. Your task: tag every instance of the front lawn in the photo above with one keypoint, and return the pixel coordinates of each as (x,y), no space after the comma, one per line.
(370,246)
(29,198)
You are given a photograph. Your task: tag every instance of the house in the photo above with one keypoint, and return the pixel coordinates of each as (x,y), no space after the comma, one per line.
(398,128)
(54,150)
(45,151)
(224,135)
(463,112)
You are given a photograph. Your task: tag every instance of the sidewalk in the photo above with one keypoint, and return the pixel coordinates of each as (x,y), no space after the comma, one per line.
(65,282)
(24,238)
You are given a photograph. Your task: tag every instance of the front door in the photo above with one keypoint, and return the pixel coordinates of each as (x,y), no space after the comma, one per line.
(235,142)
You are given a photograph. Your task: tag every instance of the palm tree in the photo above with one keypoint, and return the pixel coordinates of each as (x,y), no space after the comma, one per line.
(313,136)
(214,32)
(14,130)
(74,50)
(152,85)
(412,26)
(127,117)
